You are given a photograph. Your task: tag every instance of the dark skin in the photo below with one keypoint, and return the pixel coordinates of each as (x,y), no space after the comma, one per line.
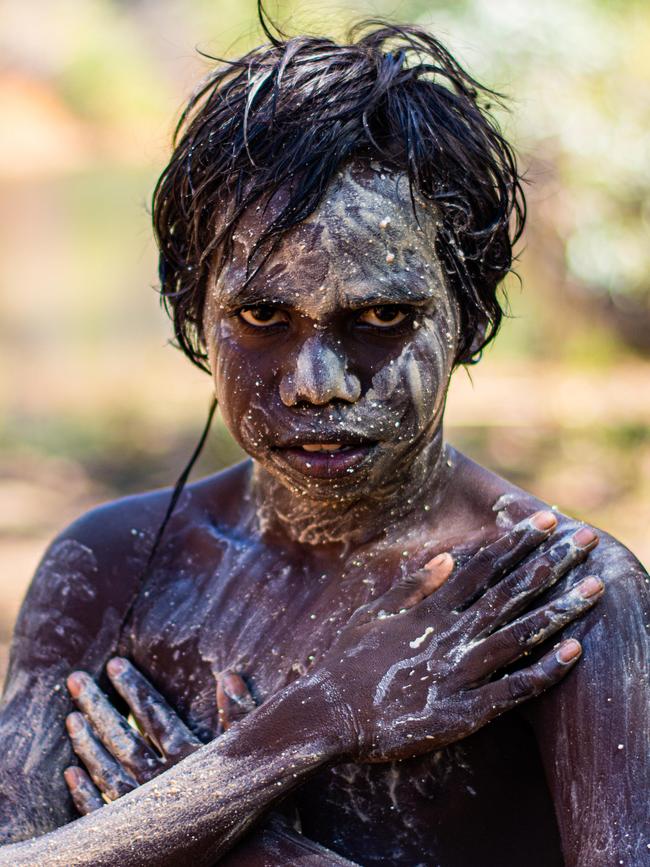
(262,571)
(98,739)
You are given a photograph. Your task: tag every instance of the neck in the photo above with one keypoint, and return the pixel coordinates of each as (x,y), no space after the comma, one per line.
(412,495)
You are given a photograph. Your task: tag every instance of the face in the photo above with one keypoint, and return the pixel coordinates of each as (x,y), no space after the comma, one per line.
(332,364)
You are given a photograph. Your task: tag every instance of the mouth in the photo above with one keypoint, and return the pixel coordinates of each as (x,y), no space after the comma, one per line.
(326,460)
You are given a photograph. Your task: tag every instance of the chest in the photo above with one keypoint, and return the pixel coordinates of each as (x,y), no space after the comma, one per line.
(481,801)
(233,605)
(227,604)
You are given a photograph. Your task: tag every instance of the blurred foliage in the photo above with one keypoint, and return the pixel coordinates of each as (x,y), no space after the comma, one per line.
(580,73)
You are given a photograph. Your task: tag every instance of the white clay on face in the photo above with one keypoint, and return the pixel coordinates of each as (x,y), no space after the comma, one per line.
(320,376)
(333,262)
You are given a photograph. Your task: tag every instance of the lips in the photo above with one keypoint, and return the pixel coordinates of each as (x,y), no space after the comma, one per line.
(325,460)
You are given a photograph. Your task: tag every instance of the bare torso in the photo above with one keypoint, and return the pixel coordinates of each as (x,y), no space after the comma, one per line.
(224,595)
(224,599)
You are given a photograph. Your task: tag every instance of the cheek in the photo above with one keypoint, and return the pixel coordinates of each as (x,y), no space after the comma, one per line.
(437,346)
(229,373)
(414,385)
(230,365)
(244,396)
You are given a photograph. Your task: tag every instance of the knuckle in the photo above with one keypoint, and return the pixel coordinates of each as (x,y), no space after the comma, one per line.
(118,785)
(411,584)
(520,685)
(563,555)
(558,551)
(82,742)
(517,583)
(487,560)
(523,537)
(567,607)
(522,632)
(150,710)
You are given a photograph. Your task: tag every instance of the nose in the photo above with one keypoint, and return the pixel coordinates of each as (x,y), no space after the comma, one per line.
(319,376)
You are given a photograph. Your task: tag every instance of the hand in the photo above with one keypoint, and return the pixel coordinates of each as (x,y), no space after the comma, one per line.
(413,669)
(118,758)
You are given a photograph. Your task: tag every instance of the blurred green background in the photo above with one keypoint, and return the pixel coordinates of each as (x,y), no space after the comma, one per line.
(94,403)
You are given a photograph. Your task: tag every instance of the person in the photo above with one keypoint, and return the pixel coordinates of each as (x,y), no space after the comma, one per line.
(333,226)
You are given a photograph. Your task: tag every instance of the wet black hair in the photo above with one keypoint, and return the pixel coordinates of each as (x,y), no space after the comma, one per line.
(290,112)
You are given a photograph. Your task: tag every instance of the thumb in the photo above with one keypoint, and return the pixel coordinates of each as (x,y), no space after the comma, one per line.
(411,589)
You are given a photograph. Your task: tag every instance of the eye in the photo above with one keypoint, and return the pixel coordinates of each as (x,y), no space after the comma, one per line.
(385,316)
(263,316)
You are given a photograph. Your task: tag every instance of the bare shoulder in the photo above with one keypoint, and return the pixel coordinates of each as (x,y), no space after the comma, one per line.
(592,730)
(87,578)
(82,586)
(496,505)
(71,619)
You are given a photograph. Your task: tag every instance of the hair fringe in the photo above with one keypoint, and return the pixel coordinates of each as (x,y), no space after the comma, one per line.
(290,112)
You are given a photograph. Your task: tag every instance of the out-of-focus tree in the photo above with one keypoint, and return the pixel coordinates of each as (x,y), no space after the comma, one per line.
(580,73)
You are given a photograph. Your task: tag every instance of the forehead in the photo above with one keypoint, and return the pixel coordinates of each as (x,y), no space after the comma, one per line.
(364,244)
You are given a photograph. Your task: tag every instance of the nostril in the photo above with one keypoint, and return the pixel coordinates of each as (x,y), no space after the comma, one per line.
(320,377)
(334,403)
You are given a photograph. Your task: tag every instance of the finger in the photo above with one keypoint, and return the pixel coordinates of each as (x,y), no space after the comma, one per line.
(513,641)
(498,558)
(85,795)
(514,592)
(234,699)
(104,771)
(410,589)
(437,571)
(161,725)
(501,695)
(126,745)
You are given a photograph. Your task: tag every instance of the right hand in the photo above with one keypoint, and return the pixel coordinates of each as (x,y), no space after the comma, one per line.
(117,757)
(413,669)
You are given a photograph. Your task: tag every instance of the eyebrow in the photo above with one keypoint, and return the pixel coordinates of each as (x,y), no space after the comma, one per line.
(250,295)
(393,293)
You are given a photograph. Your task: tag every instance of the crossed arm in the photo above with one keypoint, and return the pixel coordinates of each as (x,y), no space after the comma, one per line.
(197,809)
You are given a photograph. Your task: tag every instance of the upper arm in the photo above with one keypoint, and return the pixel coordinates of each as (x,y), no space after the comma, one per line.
(594,729)
(70,619)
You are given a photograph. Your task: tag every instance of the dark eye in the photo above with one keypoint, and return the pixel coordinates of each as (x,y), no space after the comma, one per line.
(263,316)
(386,316)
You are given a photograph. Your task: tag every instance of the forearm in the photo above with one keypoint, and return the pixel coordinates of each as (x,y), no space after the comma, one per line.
(195,811)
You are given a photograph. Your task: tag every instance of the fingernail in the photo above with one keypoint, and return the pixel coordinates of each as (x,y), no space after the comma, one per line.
(73,776)
(590,587)
(233,686)
(568,651)
(116,666)
(440,560)
(75,683)
(74,723)
(544,520)
(585,537)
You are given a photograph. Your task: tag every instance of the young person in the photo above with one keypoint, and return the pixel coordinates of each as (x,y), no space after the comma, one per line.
(333,226)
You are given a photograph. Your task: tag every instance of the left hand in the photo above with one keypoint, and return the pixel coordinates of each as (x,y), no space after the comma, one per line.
(116,756)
